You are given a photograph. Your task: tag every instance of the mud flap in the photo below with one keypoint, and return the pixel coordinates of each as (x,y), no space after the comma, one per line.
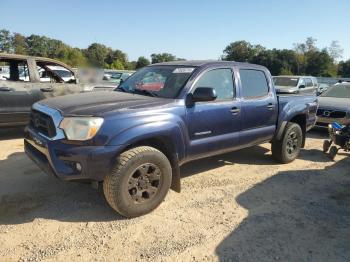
(175,180)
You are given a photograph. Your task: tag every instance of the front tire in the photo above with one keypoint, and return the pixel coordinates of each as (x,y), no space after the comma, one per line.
(139,181)
(288,147)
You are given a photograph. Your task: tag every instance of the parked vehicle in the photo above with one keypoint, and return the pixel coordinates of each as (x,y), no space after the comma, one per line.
(331,80)
(134,140)
(117,76)
(295,84)
(30,79)
(322,88)
(4,72)
(334,105)
(65,74)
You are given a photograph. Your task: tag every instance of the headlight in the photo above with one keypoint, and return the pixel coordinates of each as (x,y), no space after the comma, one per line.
(81,128)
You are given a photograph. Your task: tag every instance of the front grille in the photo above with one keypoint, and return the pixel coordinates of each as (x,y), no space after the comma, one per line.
(330,113)
(42,123)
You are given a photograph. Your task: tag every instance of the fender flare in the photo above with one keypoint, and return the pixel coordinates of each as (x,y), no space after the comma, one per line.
(283,126)
(152,130)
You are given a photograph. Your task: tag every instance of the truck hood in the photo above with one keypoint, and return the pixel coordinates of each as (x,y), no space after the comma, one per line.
(334,102)
(98,103)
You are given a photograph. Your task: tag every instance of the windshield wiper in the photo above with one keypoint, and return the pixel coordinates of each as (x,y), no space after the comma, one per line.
(145,92)
(121,89)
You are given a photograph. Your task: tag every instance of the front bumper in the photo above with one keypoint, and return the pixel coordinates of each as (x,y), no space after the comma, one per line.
(60,159)
(324,121)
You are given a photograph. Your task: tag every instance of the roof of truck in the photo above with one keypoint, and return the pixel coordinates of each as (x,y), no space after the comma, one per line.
(25,57)
(197,63)
(294,76)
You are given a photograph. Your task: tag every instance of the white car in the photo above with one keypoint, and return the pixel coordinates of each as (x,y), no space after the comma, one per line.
(4,72)
(62,72)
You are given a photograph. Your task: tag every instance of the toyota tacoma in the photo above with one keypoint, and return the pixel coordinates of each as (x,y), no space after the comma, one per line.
(135,138)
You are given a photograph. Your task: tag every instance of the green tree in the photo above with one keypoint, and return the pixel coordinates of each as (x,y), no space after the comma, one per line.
(319,63)
(97,54)
(335,51)
(117,64)
(114,55)
(241,51)
(163,57)
(75,58)
(344,68)
(19,44)
(310,44)
(57,49)
(130,65)
(5,41)
(142,62)
(37,45)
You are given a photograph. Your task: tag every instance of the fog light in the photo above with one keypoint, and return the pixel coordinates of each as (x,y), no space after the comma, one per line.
(78,167)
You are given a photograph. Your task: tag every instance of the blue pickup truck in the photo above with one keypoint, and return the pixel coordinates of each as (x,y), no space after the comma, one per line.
(136,137)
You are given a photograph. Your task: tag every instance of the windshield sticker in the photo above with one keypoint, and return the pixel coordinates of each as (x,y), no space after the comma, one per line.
(183,70)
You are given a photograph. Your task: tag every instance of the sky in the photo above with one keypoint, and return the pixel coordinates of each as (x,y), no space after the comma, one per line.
(191,29)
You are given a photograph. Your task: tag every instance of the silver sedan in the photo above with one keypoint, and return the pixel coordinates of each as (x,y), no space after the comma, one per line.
(334,105)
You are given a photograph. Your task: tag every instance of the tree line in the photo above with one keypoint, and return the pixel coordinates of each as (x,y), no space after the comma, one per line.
(97,55)
(303,59)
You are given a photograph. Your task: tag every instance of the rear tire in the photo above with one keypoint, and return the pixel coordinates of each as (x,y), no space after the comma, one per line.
(326,145)
(288,147)
(333,152)
(139,181)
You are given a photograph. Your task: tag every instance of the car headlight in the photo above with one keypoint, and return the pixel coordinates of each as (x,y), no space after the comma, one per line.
(81,128)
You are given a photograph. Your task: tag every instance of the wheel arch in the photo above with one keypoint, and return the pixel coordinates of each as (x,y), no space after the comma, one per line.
(165,145)
(299,119)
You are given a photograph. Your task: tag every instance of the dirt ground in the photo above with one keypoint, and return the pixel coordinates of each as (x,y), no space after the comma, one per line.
(240,206)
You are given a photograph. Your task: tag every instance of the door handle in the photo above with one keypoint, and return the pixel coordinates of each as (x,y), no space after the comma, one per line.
(235,110)
(270,106)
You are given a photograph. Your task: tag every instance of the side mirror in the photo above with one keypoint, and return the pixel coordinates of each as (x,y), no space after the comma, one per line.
(201,94)
(302,86)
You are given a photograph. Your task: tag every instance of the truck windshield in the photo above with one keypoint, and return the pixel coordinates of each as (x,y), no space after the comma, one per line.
(285,81)
(160,81)
(341,91)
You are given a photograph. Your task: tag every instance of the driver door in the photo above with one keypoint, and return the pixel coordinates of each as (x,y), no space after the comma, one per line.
(214,126)
(16,96)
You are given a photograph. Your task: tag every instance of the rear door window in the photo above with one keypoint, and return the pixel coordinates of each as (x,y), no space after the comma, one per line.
(254,83)
(14,70)
(308,82)
(50,72)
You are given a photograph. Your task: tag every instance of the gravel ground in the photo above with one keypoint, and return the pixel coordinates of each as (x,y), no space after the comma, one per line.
(240,206)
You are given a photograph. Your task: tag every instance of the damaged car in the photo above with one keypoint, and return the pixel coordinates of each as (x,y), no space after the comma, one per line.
(25,80)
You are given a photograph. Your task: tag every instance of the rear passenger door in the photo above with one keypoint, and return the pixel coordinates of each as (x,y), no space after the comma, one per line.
(259,107)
